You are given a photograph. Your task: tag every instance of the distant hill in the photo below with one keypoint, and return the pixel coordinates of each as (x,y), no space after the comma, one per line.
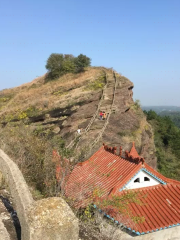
(171,111)
(159,109)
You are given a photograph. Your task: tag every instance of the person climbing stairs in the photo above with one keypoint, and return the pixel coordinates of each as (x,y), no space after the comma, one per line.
(95,129)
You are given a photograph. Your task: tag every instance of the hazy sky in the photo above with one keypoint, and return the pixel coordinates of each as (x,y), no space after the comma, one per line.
(139,39)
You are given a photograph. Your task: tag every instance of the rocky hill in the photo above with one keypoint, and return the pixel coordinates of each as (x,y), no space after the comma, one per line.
(74,101)
(42,115)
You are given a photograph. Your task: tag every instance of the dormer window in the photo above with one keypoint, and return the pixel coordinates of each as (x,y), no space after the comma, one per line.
(142,179)
(146,179)
(137,180)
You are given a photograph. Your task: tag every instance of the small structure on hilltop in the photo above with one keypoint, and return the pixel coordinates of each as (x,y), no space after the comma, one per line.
(116,176)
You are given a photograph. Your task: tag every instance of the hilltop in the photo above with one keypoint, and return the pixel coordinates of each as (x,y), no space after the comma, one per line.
(40,116)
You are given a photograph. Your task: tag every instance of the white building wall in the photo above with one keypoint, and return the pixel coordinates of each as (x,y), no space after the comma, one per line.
(142,183)
(116,234)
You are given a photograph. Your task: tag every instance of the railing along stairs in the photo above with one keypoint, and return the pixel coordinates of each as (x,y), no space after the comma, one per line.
(91,121)
(112,108)
(107,119)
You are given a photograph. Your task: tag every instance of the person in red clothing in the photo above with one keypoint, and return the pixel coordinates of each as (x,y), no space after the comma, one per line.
(104,116)
(101,115)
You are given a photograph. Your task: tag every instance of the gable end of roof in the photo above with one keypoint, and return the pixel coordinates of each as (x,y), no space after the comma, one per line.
(154,176)
(145,170)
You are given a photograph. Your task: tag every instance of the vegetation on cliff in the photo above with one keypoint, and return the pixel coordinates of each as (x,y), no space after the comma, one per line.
(60,64)
(33,122)
(167,142)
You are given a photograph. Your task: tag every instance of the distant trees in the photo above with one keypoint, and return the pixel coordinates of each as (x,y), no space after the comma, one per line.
(59,64)
(167,142)
(174,115)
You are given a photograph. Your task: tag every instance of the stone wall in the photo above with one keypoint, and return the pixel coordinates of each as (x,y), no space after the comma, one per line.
(20,193)
(48,219)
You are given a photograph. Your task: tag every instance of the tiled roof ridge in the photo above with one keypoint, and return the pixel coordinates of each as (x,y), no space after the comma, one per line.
(131,156)
(128,157)
(135,158)
(113,150)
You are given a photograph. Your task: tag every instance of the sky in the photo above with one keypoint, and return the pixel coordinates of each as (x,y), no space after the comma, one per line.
(139,39)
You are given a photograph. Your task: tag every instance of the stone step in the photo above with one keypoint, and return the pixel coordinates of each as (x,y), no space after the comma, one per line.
(110,85)
(110,88)
(98,124)
(106,107)
(110,76)
(106,102)
(110,81)
(108,94)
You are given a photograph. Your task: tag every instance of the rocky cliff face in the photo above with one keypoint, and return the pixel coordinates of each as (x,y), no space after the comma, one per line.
(74,101)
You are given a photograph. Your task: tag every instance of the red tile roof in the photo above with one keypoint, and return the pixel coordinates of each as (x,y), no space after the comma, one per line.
(103,170)
(108,173)
(160,208)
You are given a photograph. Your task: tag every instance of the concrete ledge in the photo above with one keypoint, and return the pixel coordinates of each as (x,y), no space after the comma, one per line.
(47,219)
(19,190)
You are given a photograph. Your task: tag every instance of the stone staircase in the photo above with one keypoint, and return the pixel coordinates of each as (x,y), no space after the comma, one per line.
(106,102)
(96,127)
(107,105)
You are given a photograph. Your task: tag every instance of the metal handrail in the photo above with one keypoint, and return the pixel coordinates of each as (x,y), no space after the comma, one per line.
(92,119)
(107,119)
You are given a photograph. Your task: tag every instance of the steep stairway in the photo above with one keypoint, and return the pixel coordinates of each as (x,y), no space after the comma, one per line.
(96,127)
(107,105)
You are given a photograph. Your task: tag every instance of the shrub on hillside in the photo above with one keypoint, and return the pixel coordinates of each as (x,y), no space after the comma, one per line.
(54,65)
(81,62)
(59,64)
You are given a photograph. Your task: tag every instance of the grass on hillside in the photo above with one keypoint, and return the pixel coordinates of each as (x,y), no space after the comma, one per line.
(44,96)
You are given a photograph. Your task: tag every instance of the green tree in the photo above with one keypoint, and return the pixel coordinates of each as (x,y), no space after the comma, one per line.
(54,65)
(167,142)
(59,64)
(68,65)
(81,62)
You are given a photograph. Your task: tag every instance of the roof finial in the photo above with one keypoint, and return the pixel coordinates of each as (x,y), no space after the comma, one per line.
(133,151)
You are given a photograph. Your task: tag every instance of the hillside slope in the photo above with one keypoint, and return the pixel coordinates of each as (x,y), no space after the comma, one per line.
(40,116)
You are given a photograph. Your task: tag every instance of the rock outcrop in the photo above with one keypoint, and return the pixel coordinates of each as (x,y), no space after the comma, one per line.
(63,107)
(52,218)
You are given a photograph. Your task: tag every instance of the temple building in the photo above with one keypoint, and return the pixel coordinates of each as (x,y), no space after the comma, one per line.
(112,175)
